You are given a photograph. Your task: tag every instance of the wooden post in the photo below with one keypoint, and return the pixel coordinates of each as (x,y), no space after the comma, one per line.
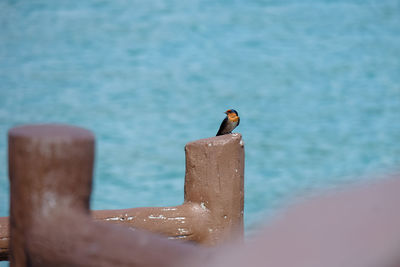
(214,180)
(50,168)
(214,199)
(51,175)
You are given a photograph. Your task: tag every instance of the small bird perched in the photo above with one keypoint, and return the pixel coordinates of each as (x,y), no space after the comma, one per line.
(230,122)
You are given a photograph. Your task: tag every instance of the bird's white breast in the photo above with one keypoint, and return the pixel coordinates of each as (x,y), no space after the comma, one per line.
(231,125)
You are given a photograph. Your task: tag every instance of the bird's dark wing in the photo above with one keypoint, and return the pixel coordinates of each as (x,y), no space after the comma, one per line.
(238,122)
(222,127)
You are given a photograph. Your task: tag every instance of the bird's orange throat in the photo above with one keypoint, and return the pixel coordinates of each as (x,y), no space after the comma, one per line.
(233,117)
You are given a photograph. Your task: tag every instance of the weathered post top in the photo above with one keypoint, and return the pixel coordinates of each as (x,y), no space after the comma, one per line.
(215,180)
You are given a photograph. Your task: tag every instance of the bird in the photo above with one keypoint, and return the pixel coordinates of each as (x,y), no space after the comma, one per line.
(230,122)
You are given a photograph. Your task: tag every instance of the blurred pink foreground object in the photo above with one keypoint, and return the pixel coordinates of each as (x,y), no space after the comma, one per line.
(357,227)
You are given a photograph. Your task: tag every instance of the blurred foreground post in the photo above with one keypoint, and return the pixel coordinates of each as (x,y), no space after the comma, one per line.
(50,170)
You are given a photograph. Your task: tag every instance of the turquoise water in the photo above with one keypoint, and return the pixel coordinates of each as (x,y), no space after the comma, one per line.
(316,83)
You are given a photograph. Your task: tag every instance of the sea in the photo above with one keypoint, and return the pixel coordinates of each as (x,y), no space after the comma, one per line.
(316,84)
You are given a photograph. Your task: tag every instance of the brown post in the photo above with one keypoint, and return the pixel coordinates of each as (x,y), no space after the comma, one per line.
(50,168)
(214,199)
(51,174)
(214,180)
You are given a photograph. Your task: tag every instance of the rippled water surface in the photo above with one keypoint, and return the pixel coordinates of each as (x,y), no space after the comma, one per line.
(316,83)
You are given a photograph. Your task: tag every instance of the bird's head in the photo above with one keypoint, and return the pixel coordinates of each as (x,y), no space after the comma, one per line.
(231,112)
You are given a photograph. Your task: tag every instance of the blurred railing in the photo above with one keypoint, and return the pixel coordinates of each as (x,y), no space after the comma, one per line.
(50,169)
